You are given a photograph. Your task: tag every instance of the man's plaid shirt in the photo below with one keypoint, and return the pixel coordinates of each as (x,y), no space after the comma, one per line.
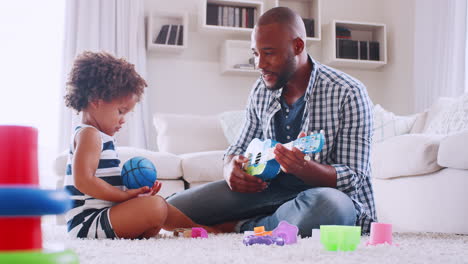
(339,105)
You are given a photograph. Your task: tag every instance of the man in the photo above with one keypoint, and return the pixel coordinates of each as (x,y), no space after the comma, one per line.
(294,93)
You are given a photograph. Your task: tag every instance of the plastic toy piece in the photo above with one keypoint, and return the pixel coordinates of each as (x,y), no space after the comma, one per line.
(380,233)
(260,231)
(265,240)
(22,202)
(343,238)
(287,232)
(199,232)
(41,257)
(32,201)
(193,232)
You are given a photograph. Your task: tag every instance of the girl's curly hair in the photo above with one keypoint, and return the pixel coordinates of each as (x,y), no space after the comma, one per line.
(101,76)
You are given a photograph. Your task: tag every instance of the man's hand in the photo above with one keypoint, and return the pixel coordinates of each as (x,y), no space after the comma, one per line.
(238,180)
(292,161)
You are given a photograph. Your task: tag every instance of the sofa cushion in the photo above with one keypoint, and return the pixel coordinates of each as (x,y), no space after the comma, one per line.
(232,123)
(387,124)
(168,165)
(447,115)
(453,151)
(203,166)
(180,134)
(405,155)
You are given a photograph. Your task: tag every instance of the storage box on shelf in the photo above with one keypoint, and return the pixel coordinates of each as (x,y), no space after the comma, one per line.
(236,58)
(355,44)
(309,10)
(229,16)
(167,31)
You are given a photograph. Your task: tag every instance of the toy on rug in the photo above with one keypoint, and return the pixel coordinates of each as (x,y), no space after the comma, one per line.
(138,172)
(193,232)
(22,203)
(262,163)
(343,238)
(284,233)
(380,233)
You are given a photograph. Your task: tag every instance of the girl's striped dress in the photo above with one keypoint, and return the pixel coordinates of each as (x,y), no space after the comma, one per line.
(89,217)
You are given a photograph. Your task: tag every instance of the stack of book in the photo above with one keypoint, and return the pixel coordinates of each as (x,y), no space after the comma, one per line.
(170,35)
(309,26)
(231,16)
(346,48)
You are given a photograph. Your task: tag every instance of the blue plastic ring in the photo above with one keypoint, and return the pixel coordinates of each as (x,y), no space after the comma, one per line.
(31,201)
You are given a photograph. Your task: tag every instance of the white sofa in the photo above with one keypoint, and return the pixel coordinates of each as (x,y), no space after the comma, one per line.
(419,177)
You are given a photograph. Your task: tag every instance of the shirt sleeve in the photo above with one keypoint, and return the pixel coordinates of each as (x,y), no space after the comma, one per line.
(252,126)
(354,142)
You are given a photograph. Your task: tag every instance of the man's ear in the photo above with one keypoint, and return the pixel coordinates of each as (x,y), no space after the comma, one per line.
(298,46)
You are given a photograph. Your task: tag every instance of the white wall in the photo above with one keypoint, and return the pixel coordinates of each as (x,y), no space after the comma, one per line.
(191,82)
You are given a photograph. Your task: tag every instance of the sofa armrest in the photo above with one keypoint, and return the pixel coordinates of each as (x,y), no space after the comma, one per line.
(405,155)
(453,151)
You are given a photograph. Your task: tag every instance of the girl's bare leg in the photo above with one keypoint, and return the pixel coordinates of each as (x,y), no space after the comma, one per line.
(139,216)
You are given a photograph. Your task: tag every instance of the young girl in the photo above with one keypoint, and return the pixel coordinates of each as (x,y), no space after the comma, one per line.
(105,89)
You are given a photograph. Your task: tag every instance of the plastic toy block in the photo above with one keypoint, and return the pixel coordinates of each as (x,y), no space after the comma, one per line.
(343,238)
(264,240)
(199,232)
(287,232)
(380,233)
(259,230)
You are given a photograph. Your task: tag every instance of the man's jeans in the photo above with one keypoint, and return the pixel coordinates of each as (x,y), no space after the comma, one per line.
(286,198)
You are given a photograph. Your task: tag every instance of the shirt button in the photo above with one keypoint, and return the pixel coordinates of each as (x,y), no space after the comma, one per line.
(288,137)
(287,116)
(287,110)
(288,127)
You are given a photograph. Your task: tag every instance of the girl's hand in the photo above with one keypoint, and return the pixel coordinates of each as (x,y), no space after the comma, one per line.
(135,192)
(156,187)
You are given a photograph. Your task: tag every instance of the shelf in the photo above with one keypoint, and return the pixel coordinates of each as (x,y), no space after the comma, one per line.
(157,21)
(359,31)
(227,16)
(236,52)
(307,9)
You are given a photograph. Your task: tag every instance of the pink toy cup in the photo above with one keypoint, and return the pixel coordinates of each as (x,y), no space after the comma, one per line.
(380,233)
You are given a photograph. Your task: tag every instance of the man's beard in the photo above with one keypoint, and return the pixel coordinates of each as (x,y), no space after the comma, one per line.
(284,76)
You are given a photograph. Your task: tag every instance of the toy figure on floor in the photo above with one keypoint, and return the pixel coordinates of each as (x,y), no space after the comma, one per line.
(105,89)
(293,96)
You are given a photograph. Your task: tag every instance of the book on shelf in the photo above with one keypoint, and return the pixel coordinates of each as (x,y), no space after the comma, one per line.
(212,16)
(230,16)
(180,39)
(162,35)
(309,26)
(374,50)
(342,32)
(363,50)
(172,35)
(244,66)
(346,49)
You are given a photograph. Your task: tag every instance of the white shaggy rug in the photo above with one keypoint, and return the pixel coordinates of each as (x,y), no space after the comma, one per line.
(228,248)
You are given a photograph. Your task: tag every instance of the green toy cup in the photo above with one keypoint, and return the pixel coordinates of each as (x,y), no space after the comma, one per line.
(343,238)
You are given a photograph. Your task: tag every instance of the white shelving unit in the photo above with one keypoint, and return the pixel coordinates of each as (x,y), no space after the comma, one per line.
(156,21)
(236,52)
(360,31)
(309,9)
(257,5)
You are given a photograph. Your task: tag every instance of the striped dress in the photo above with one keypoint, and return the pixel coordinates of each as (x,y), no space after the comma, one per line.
(89,217)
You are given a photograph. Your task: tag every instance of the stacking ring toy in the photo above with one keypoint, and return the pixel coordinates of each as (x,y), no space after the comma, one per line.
(16,200)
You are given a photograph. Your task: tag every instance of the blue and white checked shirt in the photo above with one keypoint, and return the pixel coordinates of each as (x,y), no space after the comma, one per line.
(339,105)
